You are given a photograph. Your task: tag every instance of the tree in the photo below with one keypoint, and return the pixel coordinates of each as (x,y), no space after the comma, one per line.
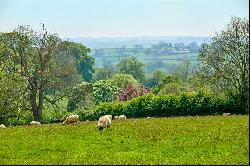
(133,67)
(155,78)
(34,58)
(179,46)
(104,91)
(123,80)
(164,82)
(193,47)
(85,62)
(103,73)
(226,59)
(185,70)
(12,88)
(81,96)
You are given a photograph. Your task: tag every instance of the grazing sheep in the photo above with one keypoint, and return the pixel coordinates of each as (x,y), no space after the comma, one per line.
(122,117)
(72,119)
(35,123)
(2,126)
(104,122)
(226,114)
(110,116)
(116,117)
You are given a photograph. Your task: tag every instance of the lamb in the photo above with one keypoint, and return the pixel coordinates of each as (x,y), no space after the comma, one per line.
(35,123)
(104,122)
(2,126)
(122,117)
(116,117)
(72,119)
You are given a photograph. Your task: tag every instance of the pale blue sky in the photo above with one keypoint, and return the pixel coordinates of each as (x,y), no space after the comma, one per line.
(122,18)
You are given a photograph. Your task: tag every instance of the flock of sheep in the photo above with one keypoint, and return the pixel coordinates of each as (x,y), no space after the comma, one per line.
(103,122)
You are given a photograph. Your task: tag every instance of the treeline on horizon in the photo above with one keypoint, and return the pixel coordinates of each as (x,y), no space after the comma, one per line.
(45,78)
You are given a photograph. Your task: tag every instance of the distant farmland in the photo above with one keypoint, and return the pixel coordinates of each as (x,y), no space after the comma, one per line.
(112,56)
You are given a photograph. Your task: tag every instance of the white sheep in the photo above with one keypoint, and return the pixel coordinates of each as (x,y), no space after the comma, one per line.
(2,126)
(72,119)
(35,123)
(122,117)
(110,116)
(104,122)
(116,117)
(226,114)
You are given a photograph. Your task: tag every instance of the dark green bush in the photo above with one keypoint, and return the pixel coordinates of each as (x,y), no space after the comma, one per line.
(185,104)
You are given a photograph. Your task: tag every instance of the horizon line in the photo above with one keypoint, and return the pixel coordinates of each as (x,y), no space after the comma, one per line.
(96,37)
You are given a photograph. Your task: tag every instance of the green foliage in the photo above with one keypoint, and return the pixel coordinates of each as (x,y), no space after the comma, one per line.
(85,63)
(12,93)
(104,73)
(216,140)
(55,113)
(46,63)
(154,79)
(81,97)
(224,61)
(104,91)
(123,80)
(166,80)
(184,104)
(133,67)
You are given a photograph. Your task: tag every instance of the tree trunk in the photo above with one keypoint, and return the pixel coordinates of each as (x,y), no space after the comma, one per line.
(41,99)
(36,109)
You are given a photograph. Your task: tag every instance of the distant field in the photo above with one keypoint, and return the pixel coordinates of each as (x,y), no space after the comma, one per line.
(179,140)
(111,56)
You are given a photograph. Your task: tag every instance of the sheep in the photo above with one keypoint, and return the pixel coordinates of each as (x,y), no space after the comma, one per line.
(104,122)
(122,117)
(116,117)
(110,116)
(226,114)
(35,123)
(72,119)
(2,126)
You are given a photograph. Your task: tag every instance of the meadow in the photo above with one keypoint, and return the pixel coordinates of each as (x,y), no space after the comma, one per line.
(170,140)
(112,56)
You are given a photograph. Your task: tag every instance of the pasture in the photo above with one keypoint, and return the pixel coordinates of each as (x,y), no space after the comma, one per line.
(172,140)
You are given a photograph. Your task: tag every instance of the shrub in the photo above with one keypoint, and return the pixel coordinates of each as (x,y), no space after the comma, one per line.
(185,104)
(131,92)
(123,80)
(104,91)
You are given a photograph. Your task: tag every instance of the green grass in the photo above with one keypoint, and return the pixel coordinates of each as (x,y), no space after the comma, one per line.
(179,140)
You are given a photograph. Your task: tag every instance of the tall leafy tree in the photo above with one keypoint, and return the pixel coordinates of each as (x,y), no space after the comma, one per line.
(34,57)
(133,67)
(85,62)
(226,59)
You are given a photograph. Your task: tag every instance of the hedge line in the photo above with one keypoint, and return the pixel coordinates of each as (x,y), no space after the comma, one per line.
(200,103)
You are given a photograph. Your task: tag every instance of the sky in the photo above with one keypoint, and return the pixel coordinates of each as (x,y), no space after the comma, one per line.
(122,18)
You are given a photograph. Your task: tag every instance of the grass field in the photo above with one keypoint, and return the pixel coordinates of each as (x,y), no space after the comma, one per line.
(178,140)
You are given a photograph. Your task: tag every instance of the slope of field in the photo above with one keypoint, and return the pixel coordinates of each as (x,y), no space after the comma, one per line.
(178,140)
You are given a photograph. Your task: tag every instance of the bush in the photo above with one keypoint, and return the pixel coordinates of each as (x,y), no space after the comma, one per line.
(123,80)
(104,91)
(185,104)
(131,92)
